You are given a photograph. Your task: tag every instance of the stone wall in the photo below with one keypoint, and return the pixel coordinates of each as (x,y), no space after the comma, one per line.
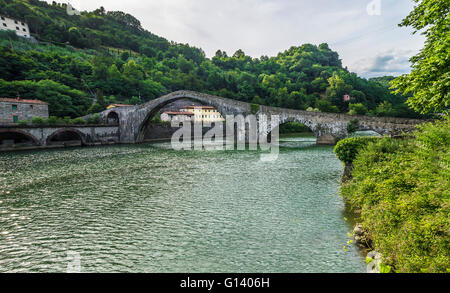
(24,111)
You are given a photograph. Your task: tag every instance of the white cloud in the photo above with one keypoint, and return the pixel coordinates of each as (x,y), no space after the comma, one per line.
(392,62)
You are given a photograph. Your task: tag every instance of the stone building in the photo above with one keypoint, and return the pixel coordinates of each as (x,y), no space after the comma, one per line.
(14,110)
(21,28)
(204,113)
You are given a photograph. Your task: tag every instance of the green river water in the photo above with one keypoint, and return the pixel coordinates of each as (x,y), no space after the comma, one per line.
(148,208)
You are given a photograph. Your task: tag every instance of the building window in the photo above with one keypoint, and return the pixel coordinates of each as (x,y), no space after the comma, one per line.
(15,119)
(15,21)
(4,24)
(22,23)
(3,18)
(17,28)
(14,107)
(24,30)
(31,107)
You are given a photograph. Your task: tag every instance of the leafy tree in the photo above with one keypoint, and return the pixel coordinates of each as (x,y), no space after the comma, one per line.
(429,80)
(385,109)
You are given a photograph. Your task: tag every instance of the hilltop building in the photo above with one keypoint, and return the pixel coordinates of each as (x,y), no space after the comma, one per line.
(21,28)
(14,110)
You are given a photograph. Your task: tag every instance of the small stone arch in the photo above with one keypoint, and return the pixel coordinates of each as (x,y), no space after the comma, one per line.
(31,137)
(79,134)
(113,118)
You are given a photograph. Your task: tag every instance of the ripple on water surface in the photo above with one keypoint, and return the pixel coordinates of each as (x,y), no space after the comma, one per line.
(147,208)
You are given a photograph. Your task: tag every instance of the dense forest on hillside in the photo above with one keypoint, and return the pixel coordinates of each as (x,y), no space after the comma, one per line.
(83,62)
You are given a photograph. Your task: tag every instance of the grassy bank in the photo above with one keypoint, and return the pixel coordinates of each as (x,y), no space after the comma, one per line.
(401,193)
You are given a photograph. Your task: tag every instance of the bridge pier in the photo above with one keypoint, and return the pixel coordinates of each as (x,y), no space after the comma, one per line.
(326,139)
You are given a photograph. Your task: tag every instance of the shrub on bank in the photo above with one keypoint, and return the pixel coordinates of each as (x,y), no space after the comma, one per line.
(37,120)
(347,149)
(79,121)
(402,190)
(95,119)
(22,123)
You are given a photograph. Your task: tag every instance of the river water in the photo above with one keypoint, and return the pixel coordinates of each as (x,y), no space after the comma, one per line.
(148,208)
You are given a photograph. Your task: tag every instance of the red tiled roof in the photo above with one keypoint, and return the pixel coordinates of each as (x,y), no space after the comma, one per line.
(199,107)
(179,113)
(18,100)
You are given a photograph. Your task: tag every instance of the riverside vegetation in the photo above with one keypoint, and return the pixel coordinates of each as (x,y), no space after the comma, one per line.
(400,190)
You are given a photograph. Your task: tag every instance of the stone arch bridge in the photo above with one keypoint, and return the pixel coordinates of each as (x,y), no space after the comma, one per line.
(128,124)
(328,127)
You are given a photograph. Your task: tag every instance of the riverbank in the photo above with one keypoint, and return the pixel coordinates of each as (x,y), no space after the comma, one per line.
(399,190)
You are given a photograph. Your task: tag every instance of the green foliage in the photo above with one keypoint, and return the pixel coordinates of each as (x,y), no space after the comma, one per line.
(429,80)
(402,190)
(254,108)
(384,109)
(326,106)
(95,119)
(352,126)
(53,120)
(357,109)
(347,149)
(22,123)
(78,121)
(293,127)
(37,120)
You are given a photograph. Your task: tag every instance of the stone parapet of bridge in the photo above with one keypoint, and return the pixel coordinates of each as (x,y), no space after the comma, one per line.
(87,134)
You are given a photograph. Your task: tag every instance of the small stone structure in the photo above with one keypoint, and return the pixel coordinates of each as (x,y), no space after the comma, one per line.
(14,110)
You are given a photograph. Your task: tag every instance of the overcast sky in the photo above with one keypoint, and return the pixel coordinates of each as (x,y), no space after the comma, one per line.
(370,45)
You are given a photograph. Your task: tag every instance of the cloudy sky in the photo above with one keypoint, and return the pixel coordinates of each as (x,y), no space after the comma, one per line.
(365,34)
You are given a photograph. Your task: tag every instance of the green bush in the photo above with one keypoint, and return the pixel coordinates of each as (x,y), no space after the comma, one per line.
(357,109)
(254,108)
(53,120)
(78,121)
(402,190)
(347,149)
(67,120)
(37,120)
(326,106)
(22,123)
(95,119)
(352,126)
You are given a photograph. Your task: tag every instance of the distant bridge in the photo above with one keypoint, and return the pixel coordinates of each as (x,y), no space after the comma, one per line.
(129,124)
